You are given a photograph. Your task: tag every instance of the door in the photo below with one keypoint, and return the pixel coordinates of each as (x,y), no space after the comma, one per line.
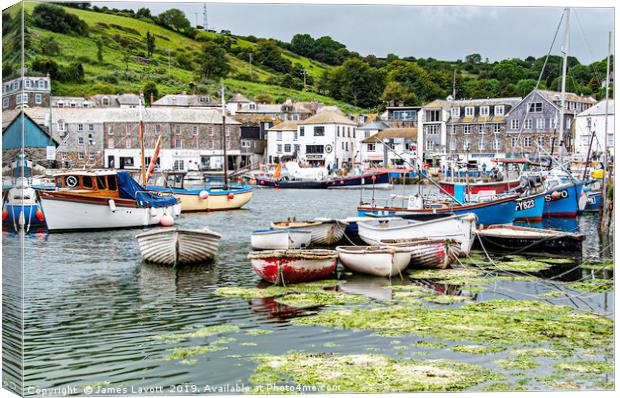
(111,161)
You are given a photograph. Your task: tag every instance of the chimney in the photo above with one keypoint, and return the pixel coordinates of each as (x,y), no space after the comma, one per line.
(152,98)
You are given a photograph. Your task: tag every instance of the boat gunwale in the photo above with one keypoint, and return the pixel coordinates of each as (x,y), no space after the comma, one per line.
(455,207)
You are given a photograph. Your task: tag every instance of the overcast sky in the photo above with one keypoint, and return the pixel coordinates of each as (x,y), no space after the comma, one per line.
(442,32)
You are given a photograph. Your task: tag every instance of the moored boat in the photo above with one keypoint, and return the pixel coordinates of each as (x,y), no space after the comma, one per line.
(374,260)
(563,200)
(428,253)
(530,208)
(370,181)
(293,266)
(324,232)
(284,183)
(178,246)
(280,239)
(461,189)
(106,199)
(510,238)
(458,227)
(20,208)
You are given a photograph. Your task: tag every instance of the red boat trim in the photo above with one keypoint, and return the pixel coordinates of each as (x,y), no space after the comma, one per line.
(439,210)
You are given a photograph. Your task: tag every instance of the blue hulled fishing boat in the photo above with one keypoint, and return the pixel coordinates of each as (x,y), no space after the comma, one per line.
(530,208)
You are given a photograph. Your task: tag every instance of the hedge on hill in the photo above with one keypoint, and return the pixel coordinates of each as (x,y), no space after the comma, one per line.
(56,19)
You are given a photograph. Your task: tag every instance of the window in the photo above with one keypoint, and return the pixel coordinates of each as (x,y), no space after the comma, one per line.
(314,148)
(484,111)
(469,111)
(453,145)
(128,143)
(337,131)
(467,145)
(5,102)
(178,129)
(527,142)
(195,130)
(38,98)
(91,127)
(28,83)
(80,127)
(112,183)
(73,104)
(279,148)
(370,147)
(497,128)
(467,129)
(22,98)
(295,135)
(178,143)
(211,131)
(87,181)
(105,101)
(60,104)
(111,143)
(279,136)
(246,144)
(301,131)
(481,129)
(91,156)
(110,130)
(80,140)
(481,145)
(541,140)
(252,106)
(42,83)
(455,112)
(227,131)
(514,141)
(319,131)
(295,116)
(497,144)
(432,116)
(61,126)
(553,123)
(429,145)
(157,129)
(453,130)
(80,155)
(535,107)
(431,129)
(287,147)
(527,124)
(540,123)
(498,110)
(514,124)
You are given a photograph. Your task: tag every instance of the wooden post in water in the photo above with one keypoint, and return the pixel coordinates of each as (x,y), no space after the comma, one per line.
(224,139)
(604,211)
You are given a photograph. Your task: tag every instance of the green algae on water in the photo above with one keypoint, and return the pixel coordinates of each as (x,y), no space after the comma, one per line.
(319,298)
(451,276)
(445,299)
(369,373)
(524,265)
(189,352)
(271,291)
(536,352)
(593,285)
(493,321)
(202,332)
(521,363)
(477,349)
(599,266)
(256,332)
(597,367)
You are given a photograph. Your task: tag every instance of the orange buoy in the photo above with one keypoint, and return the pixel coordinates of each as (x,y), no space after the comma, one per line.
(166,220)
(39,215)
(203,195)
(556,195)
(5,214)
(230,196)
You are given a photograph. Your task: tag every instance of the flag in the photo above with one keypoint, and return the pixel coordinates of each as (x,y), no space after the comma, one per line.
(153,159)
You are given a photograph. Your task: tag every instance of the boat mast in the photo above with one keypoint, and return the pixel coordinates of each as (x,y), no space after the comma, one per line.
(564,67)
(224,137)
(605,159)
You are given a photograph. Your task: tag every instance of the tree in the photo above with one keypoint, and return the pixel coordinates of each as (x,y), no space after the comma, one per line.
(357,83)
(509,71)
(143,13)
(264,98)
(56,19)
(126,59)
(303,44)
(175,19)
(150,44)
(99,51)
(49,46)
(395,93)
(415,79)
(150,88)
(473,58)
(212,61)
(525,86)
(269,54)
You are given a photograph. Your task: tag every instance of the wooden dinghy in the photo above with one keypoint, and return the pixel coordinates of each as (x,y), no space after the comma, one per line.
(176,246)
(280,239)
(293,266)
(375,260)
(428,253)
(324,232)
(543,242)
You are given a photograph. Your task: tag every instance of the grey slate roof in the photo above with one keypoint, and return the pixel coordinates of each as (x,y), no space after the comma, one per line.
(375,125)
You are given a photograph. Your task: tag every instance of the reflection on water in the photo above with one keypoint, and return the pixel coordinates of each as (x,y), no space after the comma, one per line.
(92,306)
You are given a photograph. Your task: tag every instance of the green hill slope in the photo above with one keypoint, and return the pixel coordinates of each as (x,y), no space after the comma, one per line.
(125,68)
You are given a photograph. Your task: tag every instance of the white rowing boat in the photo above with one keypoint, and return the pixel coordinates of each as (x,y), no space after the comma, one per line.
(324,231)
(428,253)
(375,260)
(280,239)
(176,246)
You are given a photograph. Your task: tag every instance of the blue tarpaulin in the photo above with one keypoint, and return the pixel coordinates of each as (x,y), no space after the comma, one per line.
(128,188)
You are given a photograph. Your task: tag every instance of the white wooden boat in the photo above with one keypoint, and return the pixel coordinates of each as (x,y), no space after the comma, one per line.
(177,246)
(324,231)
(458,227)
(280,239)
(428,253)
(375,260)
(293,266)
(87,200)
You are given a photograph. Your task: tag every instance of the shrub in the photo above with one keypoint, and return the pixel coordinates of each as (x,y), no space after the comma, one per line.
(56,19)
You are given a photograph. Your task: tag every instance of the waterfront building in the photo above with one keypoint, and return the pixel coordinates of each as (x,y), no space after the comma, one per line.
(283,142)
(26,92)
(36,140)
(71,102)
(327,139)
(402,116)
(432,127)
(403,144)
(533,124)
(128,100)
(592,120)
(188,101)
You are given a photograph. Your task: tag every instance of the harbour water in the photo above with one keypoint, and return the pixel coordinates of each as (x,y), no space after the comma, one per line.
(94,310)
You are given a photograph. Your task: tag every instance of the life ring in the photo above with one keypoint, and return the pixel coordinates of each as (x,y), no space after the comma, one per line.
(71,181)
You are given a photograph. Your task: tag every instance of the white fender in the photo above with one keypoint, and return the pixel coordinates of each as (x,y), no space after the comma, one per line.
(112,205)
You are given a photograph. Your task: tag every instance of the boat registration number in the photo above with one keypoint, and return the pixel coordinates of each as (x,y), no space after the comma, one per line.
(525,204)
(556,195)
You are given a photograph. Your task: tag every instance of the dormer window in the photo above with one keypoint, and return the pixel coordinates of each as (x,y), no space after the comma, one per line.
(105,101)
(484,111)
(252,106)
(455,112)
(499,110)
(203,99)
(469,111)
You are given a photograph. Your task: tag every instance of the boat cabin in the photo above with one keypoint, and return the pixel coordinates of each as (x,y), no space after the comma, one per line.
(89,182)
(168,180)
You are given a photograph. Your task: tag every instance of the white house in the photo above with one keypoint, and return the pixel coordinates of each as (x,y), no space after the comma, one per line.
(432,124)
(282,142)
(327,139)
(402,141)
(590,121)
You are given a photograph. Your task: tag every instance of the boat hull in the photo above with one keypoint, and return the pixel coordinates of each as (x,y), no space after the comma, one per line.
(282,267)
(370,181)
(428,253)
(13,214)
(532,241)
(383,262)
(215,201)
(459,189)
(563,200)
(280,239)
(593,202)
(175,246)
(530,208)
(460,228)
(290,184)
(72,213)
(327,233)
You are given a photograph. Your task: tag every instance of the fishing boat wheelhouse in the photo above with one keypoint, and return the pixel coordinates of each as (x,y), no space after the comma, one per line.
(104,199)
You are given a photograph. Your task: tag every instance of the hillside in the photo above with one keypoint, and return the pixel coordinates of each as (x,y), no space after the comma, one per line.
(125,67)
